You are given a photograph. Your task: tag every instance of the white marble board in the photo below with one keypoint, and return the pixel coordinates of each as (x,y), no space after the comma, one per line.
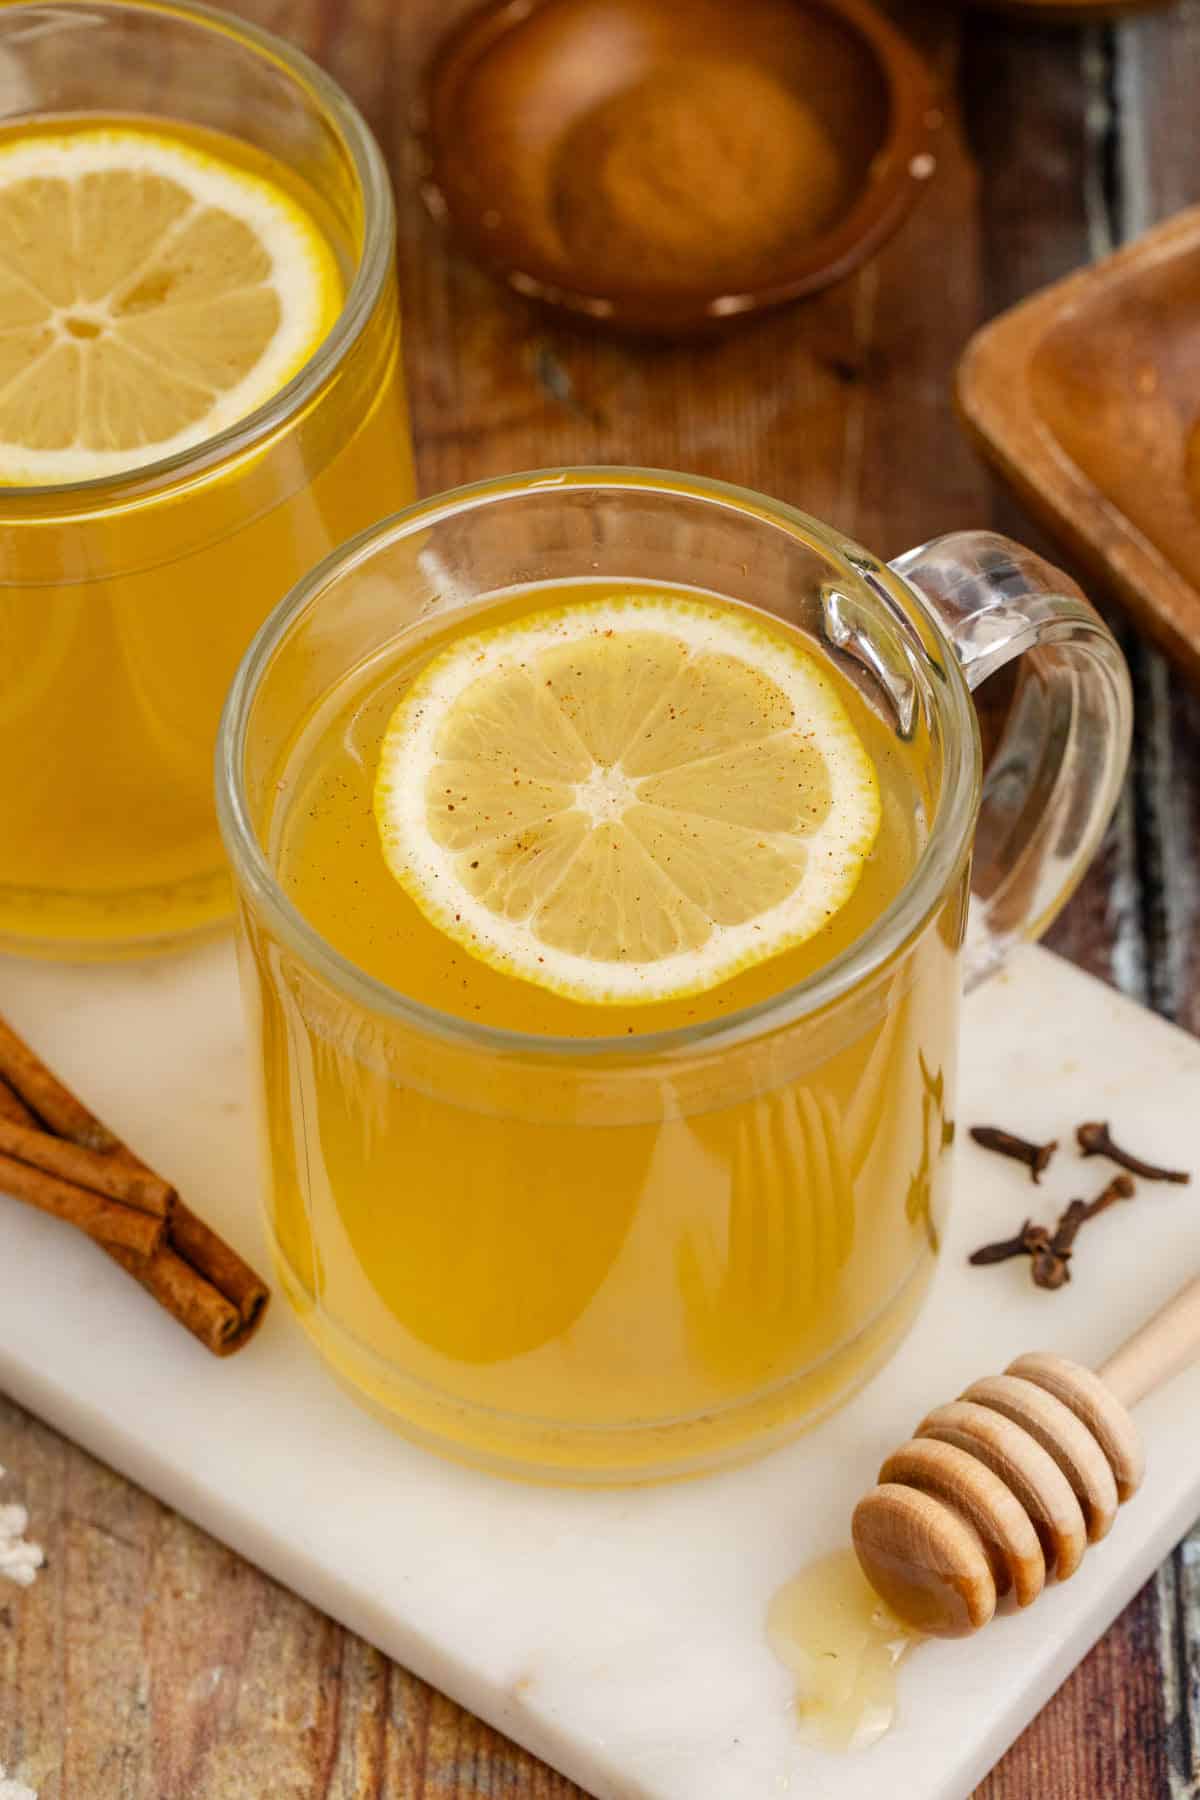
(619,1635)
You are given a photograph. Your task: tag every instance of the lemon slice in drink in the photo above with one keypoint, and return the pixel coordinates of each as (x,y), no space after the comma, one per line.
(627,800)
(150,296)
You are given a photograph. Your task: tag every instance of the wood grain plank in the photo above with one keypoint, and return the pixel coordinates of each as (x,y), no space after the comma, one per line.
(1037,103)
(1101,1736)
(147,1662)
(1042,130)
(1154,69)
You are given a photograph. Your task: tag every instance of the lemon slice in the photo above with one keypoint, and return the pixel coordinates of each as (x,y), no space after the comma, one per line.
(628,800)
(150,296)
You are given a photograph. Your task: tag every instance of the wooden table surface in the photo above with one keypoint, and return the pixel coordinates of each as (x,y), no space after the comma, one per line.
(149,1663)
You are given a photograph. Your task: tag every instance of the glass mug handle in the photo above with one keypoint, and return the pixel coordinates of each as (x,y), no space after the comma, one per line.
(1051,787)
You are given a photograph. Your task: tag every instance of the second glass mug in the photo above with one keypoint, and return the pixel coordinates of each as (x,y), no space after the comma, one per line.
(607,1259)
(127,601)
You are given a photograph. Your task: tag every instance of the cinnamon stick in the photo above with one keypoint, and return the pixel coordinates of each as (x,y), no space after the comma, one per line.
(13,1108)
(112,1175)
(55,1104)
(218,1262)
(107,1221)
(185,1294)
(203,1283)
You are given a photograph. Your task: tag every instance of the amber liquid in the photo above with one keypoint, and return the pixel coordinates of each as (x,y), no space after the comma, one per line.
(590,1266)
(123,618)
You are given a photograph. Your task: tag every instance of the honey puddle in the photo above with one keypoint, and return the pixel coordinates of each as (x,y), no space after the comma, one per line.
(834,1633)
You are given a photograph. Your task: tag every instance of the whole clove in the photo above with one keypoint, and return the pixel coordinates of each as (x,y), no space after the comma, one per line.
(1028,1242)
(1067,1229)
(1050,1270)
(1036,1157)
(1050,1252)
(1094,1139)
(1121,1187)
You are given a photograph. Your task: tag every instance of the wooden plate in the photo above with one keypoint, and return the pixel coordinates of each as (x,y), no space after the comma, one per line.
(1087,397)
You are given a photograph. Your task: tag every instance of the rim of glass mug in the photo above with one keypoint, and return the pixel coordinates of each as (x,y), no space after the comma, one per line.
(948,844)
(374,262)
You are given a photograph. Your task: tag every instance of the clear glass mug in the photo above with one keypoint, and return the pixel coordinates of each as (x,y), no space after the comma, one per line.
(126,602)
(680,1247)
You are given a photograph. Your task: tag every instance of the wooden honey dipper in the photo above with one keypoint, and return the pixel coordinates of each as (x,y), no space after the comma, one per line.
(1011,1482)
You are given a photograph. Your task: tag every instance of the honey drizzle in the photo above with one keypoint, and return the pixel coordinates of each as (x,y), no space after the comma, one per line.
(835,1634)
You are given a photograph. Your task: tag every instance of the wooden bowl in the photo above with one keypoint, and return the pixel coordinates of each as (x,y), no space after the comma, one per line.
(1086,397)
(668,166)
